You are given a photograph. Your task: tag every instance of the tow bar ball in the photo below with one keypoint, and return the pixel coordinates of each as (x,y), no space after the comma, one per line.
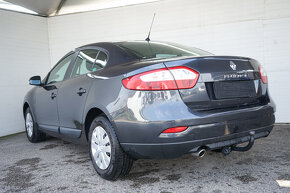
(227,149)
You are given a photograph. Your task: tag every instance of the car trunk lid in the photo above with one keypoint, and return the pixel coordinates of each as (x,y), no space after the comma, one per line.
(224,82)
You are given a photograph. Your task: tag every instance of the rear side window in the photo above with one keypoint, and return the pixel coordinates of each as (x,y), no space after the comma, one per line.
(84,62)
(101,61)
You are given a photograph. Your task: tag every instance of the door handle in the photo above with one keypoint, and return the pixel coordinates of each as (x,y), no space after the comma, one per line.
(53,95)
(81,91)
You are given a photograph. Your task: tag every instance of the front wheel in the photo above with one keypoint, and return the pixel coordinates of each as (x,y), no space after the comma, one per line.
(108,158)
(32,132)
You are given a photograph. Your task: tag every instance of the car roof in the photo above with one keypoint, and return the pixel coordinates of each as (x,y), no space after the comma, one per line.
(116,54)
(118,42)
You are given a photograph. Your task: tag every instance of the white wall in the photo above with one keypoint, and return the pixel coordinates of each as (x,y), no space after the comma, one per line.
(23,53)
(254,28)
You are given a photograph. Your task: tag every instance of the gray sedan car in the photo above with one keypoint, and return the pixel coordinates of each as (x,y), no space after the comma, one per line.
(147,99)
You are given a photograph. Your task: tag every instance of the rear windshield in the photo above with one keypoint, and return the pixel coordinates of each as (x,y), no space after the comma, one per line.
(159,50)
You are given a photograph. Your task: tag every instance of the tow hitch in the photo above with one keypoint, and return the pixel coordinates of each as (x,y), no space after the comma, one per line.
(227,149)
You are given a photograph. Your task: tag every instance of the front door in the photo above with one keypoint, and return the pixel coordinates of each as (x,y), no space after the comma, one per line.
(46,105)
(46,97)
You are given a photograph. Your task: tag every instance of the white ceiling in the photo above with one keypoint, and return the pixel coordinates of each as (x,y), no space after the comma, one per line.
(60,7)
(42,7)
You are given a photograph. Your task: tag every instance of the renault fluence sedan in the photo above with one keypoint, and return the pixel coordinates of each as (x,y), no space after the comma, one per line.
(147,99)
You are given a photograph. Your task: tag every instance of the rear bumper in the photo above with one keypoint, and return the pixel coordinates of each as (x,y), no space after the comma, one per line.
(146,114)
(210,132)
(173,150)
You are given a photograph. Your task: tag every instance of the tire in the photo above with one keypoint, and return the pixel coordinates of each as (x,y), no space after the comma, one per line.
(32,132)
(108,148)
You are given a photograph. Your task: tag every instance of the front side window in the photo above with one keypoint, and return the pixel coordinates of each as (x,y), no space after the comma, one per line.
(85,62)
(58,73)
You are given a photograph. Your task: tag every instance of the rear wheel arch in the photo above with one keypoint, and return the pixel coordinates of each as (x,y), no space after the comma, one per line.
(90,116)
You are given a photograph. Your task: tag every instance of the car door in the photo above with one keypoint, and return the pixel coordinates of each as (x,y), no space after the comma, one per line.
(73,92)
(46,96)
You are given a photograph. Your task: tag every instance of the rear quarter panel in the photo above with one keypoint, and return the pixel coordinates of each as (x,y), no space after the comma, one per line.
(128,109)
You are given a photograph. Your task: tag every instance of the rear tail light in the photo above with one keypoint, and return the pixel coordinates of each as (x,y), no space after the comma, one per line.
(163,79)
(174,130)
(263,74)
(184,77)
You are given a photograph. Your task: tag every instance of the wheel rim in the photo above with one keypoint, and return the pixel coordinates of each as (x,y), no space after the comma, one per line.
(29,124)
(101,147)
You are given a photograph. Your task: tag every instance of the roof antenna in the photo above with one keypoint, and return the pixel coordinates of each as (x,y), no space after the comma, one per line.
(148,38)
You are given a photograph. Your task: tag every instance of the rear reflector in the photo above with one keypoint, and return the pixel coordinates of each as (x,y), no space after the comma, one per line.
(174,130)
(263,74)
(163,79)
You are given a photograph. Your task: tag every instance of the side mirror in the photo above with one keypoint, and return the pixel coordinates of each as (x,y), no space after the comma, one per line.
(35,80)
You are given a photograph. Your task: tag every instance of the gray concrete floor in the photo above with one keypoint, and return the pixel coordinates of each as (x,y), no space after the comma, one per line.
(58,166)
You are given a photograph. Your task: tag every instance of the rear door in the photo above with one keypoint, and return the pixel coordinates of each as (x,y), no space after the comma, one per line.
(73,92)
